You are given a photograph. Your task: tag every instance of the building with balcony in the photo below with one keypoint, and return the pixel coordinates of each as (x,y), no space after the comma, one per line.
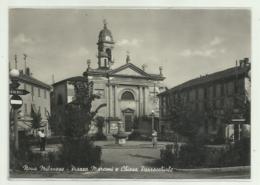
(222,100)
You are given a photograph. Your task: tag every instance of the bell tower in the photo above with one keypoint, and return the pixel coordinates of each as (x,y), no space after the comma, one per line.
(105,47)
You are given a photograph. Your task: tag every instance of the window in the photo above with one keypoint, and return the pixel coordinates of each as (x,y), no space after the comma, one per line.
(196,94)
(214,91)
(205,93)
(39,92)
(32,91)
(45,94)
(59,101)
(222,92)
(127,96)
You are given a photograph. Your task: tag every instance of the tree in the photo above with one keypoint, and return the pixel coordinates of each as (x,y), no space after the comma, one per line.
(185,121)
(77,149)
(36,119)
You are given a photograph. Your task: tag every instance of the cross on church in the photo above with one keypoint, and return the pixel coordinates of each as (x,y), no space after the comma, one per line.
(105,23)
(127,57)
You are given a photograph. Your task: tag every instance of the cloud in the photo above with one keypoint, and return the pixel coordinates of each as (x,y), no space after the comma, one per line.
(211,49)
(127,42)
(216,41)
(80,52)
(202,52)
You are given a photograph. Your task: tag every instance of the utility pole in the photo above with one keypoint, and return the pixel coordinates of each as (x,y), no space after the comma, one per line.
(25,65)
(16,137)
(15,61)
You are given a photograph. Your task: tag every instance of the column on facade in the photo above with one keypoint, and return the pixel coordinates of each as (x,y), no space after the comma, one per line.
(111,99)
(144,102)
(139,101)
(114,100)
(108,108)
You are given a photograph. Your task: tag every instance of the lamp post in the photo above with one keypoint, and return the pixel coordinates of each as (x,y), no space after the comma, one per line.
(109,106)
(152,114)
(14,73)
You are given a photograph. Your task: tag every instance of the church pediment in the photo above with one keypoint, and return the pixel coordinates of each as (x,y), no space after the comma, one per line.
(129,70)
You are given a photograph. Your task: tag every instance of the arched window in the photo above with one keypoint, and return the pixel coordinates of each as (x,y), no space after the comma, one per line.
(108,51)
(127,96)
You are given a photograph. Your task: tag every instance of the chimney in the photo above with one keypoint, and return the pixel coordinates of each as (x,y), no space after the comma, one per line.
(160,69)
(143,67)
(27,71)
(244,62)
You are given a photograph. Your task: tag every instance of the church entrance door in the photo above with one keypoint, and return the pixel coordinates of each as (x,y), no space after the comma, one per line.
(128,122)
(128,119)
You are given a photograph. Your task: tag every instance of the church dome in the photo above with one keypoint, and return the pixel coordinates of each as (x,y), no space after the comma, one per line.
(105,35)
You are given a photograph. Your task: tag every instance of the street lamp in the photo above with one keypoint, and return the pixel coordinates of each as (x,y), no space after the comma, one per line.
(152,114)
(14,73)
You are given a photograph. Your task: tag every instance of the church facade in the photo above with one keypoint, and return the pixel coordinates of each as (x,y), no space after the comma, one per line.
(128,91)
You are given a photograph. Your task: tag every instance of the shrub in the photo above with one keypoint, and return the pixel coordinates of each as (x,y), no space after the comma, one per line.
(99,137)
(238,154)
(24,156)
(167,157)
(185,156)
(191,156)
(80,152)
(137,136)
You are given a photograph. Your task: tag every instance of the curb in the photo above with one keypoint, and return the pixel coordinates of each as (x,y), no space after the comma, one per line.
(221,169)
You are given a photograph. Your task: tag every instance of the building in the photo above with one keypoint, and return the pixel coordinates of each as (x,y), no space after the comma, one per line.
(128,91)
(38,100)
(221,98)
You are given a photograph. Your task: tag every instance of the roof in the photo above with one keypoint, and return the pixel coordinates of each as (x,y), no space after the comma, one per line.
(228,73)
(32,80)
(75,78)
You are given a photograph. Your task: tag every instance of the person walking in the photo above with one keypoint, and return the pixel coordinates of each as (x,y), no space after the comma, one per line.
(154,138)
(42,140)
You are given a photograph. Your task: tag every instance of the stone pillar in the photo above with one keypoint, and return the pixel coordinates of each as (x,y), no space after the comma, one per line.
(111,101)
(144,102)
(114,100)
(139,101)
(107,109)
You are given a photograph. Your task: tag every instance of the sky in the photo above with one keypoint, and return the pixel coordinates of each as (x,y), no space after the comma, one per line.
(187,43)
